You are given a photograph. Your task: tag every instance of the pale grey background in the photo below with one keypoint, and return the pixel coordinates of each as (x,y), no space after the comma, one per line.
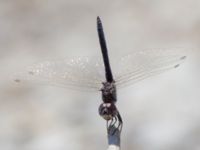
(160,113)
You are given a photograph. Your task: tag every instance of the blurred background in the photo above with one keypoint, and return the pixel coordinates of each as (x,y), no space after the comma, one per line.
(160,113)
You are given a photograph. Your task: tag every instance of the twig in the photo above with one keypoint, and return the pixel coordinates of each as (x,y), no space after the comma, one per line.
(113,138)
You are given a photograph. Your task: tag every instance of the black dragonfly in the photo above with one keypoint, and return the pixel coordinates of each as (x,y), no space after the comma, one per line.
(88,73)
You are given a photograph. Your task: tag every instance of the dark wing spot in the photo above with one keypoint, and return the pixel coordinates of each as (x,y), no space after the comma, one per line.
(183,57)
(31,72)
(17,80)
(177,65)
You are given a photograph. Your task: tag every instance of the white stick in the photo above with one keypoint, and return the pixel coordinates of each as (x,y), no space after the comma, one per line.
(113,138)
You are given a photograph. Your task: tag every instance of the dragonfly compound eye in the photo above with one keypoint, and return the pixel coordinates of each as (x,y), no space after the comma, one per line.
(107,111)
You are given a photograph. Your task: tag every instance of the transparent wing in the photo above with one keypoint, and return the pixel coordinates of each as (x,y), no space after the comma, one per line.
(79,73)
(145,63)
(88,74)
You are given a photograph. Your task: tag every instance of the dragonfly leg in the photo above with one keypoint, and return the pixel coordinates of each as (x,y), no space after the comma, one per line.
(109,123)
(120,124)
(115,122)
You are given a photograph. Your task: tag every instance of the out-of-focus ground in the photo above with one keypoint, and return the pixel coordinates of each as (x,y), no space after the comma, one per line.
(160,113)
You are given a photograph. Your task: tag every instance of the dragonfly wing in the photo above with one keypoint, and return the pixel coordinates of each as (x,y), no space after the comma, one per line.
(145,63)
(79,73)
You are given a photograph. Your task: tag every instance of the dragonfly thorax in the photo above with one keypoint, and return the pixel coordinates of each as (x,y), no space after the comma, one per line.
(109,92)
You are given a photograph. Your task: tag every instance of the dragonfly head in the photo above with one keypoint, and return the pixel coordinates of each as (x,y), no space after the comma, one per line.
(107,110)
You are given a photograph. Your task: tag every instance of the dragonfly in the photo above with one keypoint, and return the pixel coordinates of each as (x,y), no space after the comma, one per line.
(95,74)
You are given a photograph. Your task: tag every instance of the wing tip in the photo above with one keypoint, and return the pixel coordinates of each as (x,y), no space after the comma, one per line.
(181,58)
